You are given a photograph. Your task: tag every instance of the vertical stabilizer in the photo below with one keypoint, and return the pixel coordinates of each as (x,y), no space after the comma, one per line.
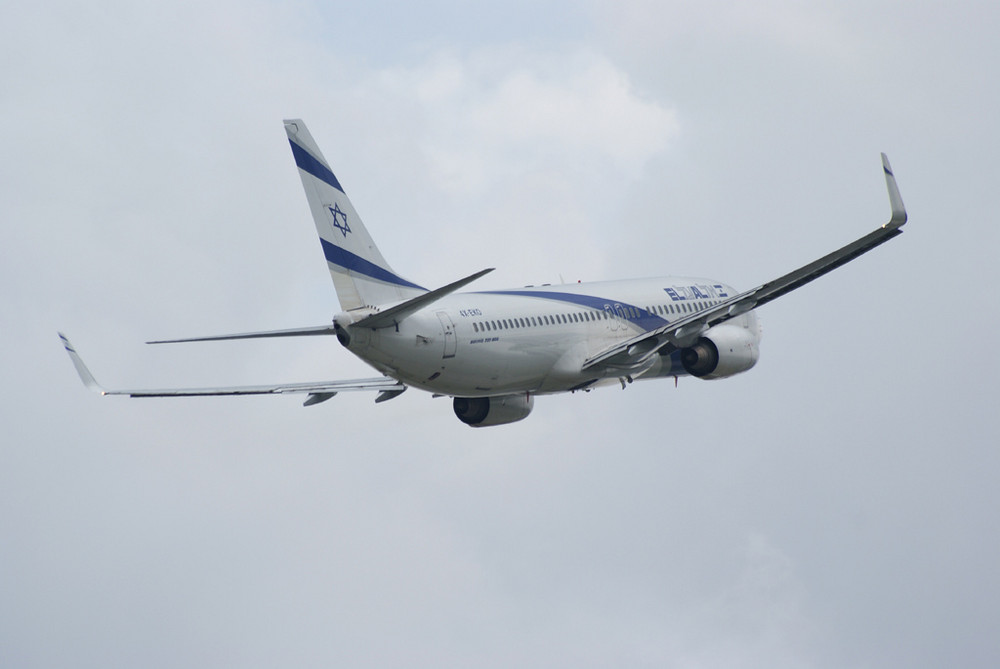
(360,274)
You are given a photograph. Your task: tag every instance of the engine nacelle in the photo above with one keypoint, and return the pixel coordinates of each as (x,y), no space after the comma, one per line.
(486,411)
(723,351)
(343,336)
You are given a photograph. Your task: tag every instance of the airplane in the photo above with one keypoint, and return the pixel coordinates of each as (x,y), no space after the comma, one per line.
(493,351)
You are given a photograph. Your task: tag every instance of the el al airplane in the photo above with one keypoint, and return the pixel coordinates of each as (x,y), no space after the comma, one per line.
(493,351)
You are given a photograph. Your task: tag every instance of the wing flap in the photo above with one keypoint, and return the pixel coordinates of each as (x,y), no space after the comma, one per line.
(319,388)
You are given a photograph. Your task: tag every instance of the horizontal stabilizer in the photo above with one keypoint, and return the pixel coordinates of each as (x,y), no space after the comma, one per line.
(393,315)
(294,332)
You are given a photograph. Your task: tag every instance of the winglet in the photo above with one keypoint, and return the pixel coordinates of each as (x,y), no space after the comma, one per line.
(898,211)
(88,379)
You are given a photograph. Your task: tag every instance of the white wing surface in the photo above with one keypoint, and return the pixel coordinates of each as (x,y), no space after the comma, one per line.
(318,391)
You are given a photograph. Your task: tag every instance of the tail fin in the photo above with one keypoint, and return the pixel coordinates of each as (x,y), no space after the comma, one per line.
(361,275)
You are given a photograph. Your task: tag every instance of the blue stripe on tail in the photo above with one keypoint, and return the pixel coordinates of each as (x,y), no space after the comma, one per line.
(306,162)
(355,263)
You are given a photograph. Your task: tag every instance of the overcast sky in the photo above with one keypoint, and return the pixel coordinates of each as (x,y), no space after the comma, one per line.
(837,506)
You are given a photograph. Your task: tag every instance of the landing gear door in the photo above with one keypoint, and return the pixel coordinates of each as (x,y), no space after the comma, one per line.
(448,330)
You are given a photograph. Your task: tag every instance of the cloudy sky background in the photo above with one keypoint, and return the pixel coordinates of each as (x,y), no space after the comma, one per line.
(836,506)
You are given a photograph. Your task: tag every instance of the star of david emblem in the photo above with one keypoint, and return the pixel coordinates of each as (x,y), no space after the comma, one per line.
(339,219)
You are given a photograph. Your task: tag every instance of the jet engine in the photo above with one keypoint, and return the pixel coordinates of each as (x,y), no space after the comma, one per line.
(486,411)
(723,351)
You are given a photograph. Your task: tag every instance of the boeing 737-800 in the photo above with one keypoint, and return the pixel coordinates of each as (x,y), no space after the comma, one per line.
(494,351)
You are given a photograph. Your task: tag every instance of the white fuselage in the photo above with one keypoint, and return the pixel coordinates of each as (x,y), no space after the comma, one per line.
(534,339)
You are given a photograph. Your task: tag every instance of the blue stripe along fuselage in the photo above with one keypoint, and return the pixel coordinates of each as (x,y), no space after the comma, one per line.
(354,263)
(645,319)
(305,161)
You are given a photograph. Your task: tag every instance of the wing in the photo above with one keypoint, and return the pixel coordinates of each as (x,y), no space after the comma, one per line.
(685,331)
(318,391)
